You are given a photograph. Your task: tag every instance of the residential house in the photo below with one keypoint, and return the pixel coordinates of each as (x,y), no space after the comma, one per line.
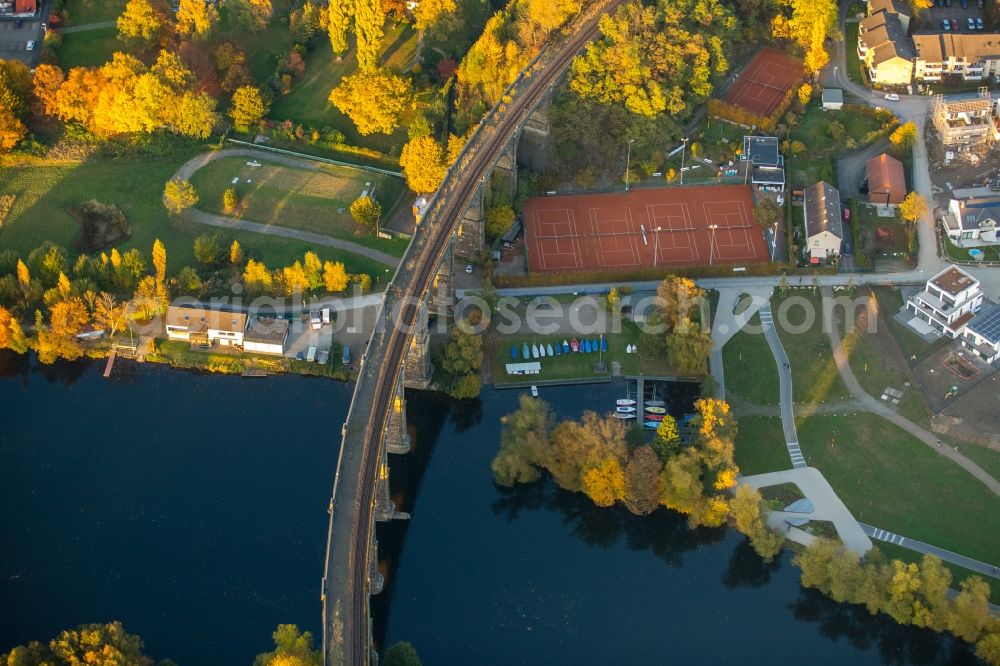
(964,121)
(25,7)
(973,222)
(833,99)
(885,49)
(206,327)
(266,336)
(971,55)
(898,8)
(886,180)
(982,334)
(824,226)
(766,167)
(948,301)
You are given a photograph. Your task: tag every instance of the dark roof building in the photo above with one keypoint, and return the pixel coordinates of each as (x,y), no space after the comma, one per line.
(767,166)
(824,227)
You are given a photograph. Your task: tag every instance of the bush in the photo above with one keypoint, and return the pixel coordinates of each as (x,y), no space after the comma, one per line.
(101,225)
(229,199)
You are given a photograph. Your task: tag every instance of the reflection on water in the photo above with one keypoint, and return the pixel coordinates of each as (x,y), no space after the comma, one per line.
(534,574)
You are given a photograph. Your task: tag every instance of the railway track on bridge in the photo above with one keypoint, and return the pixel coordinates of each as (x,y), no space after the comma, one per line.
(349,554)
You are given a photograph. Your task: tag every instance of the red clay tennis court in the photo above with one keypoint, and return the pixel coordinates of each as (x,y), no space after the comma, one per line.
(764,83)
(645,228)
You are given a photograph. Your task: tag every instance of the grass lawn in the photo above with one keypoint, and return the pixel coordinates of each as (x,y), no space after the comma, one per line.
(91,48)
(814,374)
(990,252)
(82,12)
(46,192)
(912,345)
(760,445)
(181,354)
(895,247)
(577,365)
(719,138)
(890,480)
(854,66)
(988,459)
(308,103)
(299,198)
(749,366)
(958,574)
(862,126)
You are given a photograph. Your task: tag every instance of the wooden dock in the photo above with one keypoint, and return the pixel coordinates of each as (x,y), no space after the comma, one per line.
(111,363)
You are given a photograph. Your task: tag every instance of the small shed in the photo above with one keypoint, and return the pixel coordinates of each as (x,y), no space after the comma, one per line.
(266,336)
(833,99)
(530,368)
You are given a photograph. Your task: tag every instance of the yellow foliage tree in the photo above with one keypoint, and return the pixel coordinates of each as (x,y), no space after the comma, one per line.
(12,130)
(196,18)
(335,276)
(422,160)
(247,108)
(913,207)
(142,21)
(605,482)
(374,100)
(805,93)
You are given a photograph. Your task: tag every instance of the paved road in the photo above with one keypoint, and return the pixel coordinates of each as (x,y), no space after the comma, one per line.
(87,27)
(877,407)
(921,547)
(186,170)
(827,506)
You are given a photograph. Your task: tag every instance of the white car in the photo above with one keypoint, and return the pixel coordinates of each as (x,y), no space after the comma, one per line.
(30,46)
(534,391)
(892,97)
(468,268)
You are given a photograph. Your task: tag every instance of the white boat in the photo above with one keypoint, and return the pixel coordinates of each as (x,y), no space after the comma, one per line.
(625,402)
(655,403)
(534,351)
(541,351)
(619,415)
(656,410)
(625,410)
(534,391)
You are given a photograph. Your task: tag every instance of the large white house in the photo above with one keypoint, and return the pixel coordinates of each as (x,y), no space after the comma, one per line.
(200,326)
(973,222)
(948,302)
(982,335)
(824,228)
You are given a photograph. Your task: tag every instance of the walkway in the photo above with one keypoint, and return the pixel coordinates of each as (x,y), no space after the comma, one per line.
(725,324)
(921,547)
(879,408)
(784,387)
(186,170)
(87,27)
(826,505)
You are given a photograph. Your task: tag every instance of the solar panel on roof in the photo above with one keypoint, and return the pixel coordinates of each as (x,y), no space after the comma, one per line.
(987,323)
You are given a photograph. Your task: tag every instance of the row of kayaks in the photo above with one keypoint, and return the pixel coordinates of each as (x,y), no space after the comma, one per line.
(587,346)
(653,411)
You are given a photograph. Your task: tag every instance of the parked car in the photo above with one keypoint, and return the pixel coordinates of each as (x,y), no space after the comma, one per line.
(965,4)
(979,4)
(945,25)
(970,23)
(534,391)
(30,46)
(847,214)
(892,97)
(468,268)
(979,24)
(848,249)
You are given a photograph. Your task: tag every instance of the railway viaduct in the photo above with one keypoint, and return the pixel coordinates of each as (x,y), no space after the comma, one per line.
(398,353)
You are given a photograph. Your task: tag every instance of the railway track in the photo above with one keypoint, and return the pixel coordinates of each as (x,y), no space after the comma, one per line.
(414,277)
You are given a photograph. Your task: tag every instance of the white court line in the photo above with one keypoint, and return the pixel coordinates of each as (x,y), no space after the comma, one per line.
(599,246)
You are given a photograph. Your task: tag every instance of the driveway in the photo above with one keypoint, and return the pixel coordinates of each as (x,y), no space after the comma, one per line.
(14,41)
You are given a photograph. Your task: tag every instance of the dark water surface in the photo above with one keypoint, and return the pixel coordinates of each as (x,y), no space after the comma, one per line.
(193,508)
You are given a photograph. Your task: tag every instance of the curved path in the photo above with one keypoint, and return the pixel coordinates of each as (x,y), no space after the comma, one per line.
(87,27)
(189,168)
(876,407)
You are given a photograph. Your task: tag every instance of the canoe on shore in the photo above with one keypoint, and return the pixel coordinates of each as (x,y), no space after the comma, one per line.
(625,402)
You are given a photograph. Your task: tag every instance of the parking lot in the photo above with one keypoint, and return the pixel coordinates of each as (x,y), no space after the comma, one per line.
(14,40)
(957,16)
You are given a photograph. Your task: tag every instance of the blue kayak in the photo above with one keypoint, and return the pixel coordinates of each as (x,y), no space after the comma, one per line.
(604,344)
(586,346)
(525,352)
(652,425)
(549,351)
(565,347)
(513,352)
(558,349)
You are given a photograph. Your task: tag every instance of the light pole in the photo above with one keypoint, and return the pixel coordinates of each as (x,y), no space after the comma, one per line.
(683,151)
(711,242)
(774,241)
(628,163)
(656,244)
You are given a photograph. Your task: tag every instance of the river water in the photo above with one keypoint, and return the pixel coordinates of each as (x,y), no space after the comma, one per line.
(193,508)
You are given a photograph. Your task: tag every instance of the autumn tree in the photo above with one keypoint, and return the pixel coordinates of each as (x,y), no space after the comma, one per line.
(230,200)
(189,282)
(677,298)
(666,438)
(292,647)
(178,196)
(335,277)
(110,315)
(11,334)
(422,160)
(339,15)
(810,24)
(604,483)
(499,220)
(369,23)
(903,137)
(142,22)
(196,18)
(524,439)
(746,509)
(578,446)
(805,93)
(305,23)
(104,644)
(159,260)
(437,19)
(688,348)
(247,108)
(236,255)
(15,87)
(463,354)
(401,654)
(913,207)
(12,130)
(374,99)
(209,250)
(257,279)
(766,213)
(58,339)
(643,487)
(252,15)
(366,212)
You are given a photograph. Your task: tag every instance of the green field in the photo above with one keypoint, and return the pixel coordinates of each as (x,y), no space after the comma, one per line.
(854,66)
(760,445)
(750,368)
(308,103)
(46,192)
(82,12)
(814,374)
(990,252)
(299,198)
(91,48)
(890,480)
(910,344)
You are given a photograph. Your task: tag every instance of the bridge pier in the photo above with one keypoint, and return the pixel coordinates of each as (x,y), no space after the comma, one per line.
(471,235)
(417,368)
(506,167)
(376,581)
(441,296)
(397,439)
(538,120)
